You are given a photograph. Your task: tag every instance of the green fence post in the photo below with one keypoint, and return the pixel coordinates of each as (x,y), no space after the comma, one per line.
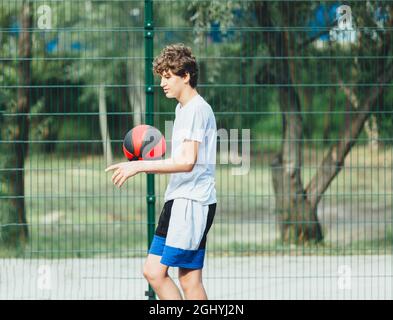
(150,121)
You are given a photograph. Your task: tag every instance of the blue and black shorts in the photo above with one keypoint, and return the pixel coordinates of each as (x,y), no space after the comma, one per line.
(180,236)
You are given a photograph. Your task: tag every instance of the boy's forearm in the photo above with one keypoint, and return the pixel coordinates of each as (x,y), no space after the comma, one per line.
(163,166)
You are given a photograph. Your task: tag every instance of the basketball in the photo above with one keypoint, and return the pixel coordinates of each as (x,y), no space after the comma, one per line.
(144,142)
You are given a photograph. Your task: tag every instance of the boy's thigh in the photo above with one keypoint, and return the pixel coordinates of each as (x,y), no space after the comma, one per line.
(153,267)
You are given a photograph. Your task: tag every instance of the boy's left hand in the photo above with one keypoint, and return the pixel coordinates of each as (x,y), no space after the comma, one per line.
(123,171)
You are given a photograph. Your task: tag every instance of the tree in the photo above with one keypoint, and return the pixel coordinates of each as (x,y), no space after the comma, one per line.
(14,231)
(296,205)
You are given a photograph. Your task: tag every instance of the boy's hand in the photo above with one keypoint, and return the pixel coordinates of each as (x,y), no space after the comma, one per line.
(123,171)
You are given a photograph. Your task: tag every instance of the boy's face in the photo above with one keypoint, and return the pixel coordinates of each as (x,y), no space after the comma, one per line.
(173,85)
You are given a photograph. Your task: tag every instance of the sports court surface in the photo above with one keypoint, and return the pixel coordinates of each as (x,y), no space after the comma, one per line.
(284,277)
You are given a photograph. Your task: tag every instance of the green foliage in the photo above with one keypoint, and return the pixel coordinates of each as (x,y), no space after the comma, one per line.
(203,14)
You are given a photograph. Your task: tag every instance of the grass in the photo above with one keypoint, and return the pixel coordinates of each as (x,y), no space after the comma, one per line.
(249,239)
(74,211)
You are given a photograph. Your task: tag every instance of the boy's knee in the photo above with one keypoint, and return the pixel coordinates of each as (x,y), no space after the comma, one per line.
(152,275)
(189,284)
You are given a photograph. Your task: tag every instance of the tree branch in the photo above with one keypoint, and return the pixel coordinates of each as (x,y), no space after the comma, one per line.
(333,161)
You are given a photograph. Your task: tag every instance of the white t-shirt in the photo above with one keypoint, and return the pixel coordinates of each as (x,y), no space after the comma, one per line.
(195,121)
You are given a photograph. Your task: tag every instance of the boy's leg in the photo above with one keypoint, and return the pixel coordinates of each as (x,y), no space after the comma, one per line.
(191,283)
(157,275)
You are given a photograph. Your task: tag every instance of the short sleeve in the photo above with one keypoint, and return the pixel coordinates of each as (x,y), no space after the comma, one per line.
(195,126)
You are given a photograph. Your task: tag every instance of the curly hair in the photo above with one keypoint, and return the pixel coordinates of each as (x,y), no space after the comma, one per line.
(179,59)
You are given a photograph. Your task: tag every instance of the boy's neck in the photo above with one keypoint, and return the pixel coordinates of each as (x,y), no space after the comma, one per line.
(186,96)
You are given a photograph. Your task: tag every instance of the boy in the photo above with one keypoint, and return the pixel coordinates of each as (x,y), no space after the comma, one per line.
(190,198)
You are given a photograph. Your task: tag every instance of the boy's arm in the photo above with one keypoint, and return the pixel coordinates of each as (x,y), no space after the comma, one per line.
(184,162)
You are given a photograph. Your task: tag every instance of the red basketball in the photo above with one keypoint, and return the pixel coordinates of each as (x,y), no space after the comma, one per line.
(144,142)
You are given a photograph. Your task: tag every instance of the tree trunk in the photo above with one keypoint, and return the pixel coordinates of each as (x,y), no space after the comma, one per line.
(14,232)
(370,126)
(298,221)
(106,139)
(136,96)
(334,160)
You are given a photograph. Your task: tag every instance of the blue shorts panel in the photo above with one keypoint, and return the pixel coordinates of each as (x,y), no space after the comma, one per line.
(190,259)
(157,246)
(174,257)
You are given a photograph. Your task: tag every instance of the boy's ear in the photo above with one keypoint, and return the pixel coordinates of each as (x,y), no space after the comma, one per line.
(186,77)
